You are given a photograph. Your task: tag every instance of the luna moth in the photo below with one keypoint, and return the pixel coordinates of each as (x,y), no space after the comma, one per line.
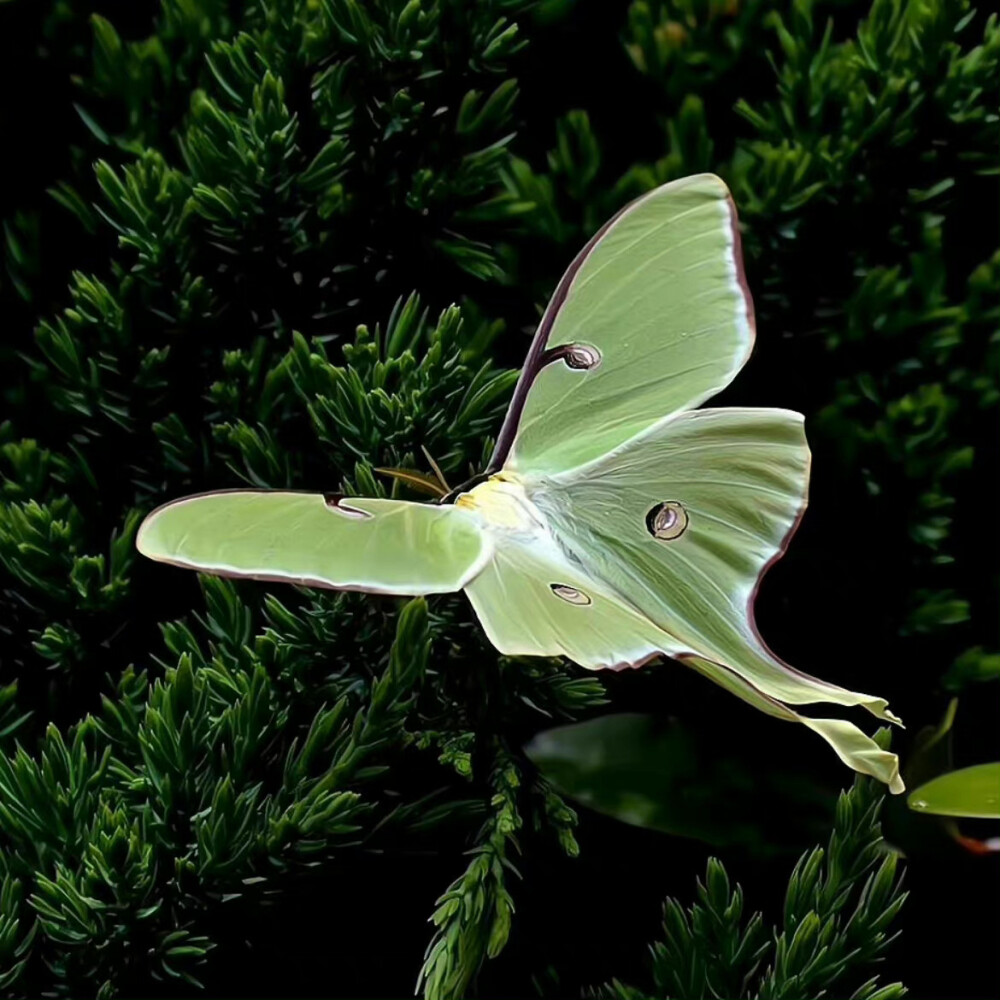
(618,520)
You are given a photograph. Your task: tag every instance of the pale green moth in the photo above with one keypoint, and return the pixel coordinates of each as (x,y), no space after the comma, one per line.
(615,521)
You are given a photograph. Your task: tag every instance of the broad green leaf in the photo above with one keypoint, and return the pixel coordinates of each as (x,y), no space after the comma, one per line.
(971,791)
(661,775)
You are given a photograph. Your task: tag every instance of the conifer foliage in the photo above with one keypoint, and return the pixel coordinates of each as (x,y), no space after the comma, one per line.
(287,243)
(838,908)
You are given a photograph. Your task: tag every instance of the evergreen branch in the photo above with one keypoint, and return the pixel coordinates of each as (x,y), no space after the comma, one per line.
(473,916)
(839,905)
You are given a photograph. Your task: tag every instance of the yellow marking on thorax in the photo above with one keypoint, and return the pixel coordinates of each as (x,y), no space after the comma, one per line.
(502,503)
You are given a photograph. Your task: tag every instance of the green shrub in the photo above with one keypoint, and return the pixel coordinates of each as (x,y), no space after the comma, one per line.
(838,908)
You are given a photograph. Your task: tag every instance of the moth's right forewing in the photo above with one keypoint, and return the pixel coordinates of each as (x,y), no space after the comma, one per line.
(355,543)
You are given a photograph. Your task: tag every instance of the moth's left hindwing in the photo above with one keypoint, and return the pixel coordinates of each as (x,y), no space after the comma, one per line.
(733,482)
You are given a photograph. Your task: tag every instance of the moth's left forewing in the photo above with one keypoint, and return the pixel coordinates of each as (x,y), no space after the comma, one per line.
(651,319)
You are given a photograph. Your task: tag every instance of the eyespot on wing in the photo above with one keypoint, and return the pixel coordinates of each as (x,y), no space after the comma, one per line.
(570,594)
(667,521)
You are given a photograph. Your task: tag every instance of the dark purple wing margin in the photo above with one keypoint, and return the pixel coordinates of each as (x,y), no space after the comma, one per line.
(536,359)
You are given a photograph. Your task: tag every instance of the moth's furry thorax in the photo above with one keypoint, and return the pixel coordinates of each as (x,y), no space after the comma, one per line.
(503,503)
